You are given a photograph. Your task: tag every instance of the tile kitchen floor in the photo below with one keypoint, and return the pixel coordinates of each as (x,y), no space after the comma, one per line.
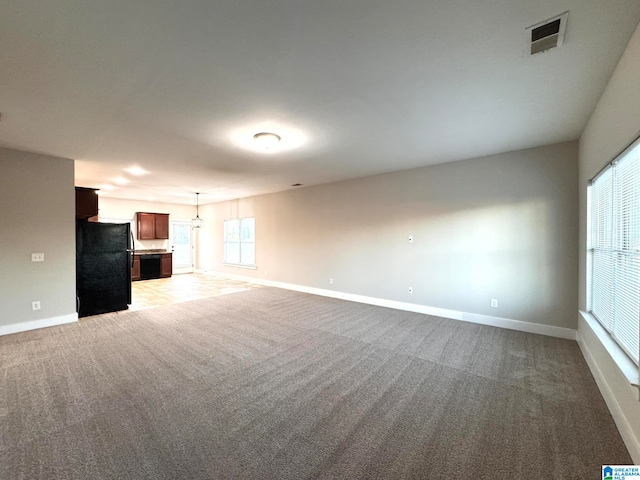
(182,288)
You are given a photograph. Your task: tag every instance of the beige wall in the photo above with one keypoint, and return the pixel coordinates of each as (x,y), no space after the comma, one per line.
(37,214)
(615,123)
(117,209)
(503,227)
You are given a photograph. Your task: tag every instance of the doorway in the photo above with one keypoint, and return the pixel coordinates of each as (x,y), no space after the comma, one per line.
(181,241)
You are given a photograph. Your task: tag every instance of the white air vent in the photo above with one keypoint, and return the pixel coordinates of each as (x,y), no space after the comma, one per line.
(546,35)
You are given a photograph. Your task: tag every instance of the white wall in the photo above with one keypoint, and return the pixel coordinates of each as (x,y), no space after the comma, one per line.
(503,227)
(37,215)
(615,123)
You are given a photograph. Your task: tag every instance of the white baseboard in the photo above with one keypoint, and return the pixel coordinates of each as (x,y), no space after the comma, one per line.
(35,324)
(508,323)
(626,432)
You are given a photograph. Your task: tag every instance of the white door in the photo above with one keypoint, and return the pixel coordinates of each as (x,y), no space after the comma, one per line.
(181,241)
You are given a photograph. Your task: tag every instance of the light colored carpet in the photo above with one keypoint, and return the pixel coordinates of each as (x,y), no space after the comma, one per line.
(273,384)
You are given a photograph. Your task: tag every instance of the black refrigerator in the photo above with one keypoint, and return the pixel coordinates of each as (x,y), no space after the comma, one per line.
(104,252)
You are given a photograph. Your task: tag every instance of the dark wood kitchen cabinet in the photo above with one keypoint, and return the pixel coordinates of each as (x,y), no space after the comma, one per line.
(166,265)
(86,202)
(135,269)
(152,226)
(146,226)
(162,226)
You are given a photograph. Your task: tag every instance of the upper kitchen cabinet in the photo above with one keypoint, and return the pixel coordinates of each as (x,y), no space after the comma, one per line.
(152,226)
(162,226)
(146,226)
(86,202)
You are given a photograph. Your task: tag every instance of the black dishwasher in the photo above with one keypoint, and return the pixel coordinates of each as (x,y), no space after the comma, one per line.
(150,266)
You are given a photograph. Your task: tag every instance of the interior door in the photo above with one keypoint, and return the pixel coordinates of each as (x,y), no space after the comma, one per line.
(181,241)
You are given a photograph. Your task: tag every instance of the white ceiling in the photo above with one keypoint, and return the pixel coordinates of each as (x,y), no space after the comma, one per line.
(353,87)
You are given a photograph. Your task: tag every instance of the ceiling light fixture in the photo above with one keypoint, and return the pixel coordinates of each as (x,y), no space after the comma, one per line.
(267,139)
(120,180)
(197,222)
(136,170)
(281,138)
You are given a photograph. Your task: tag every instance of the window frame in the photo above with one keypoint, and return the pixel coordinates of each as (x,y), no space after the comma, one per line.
(240,243)
(609,214)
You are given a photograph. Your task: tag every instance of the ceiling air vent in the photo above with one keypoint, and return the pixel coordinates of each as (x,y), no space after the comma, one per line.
(546,35)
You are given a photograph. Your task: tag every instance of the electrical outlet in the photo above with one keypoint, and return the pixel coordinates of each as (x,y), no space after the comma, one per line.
(37,257)
(331,281)
(410,238)
(410,289)
(494,303)
(35,305)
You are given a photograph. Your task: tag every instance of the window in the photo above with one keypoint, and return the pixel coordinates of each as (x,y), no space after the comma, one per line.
(240,241)
(614,249)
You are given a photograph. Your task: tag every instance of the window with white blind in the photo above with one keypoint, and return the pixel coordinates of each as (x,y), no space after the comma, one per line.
(614,249)
(240,242)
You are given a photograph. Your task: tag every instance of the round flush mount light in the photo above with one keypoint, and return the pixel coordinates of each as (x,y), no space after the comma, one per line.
(266,139)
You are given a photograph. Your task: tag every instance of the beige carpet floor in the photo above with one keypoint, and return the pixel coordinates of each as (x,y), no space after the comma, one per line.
(273,384)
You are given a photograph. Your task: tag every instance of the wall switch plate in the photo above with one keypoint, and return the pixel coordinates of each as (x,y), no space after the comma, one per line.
(37,257)
(410,289)
(35,305)
(265,273)
(494,303)
(410,238)
(331,281)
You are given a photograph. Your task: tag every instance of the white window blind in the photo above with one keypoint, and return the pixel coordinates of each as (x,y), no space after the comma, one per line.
(240,241)
(614,249)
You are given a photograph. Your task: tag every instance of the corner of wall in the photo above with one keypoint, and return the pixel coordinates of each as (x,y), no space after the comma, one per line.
(614,124)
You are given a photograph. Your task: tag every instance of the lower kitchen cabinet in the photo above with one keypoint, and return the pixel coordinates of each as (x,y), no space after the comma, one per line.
(166,267)
(135,269)
(155,266)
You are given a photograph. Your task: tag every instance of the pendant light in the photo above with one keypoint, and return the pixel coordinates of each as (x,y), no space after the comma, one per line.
(197,222)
